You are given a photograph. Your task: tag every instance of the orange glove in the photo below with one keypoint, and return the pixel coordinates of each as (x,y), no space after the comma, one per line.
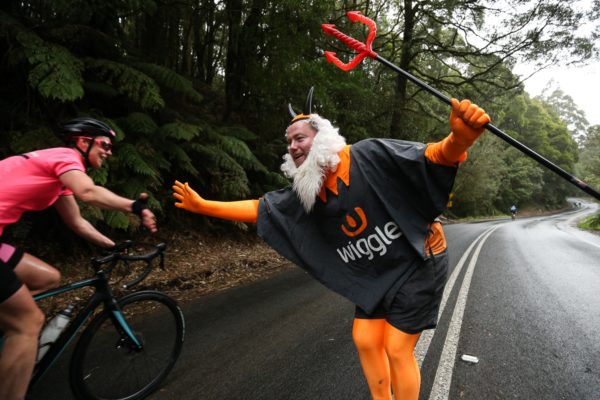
(243,211)
(467,122)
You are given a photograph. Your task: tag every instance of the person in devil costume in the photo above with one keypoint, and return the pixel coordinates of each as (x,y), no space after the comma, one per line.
(361,219)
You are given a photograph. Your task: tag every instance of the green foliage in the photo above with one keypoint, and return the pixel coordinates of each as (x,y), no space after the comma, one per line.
(169,79)
(240,151)
(592,222)
(138,123)
(479,180)
(228,177)
(127,81)
(56,74)
(52,70)
(521,182)
(588,166)
(130,157)
(22,142)
(179,130)
(198,91)
(100,89)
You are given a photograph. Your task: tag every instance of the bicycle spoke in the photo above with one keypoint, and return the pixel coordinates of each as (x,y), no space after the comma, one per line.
(121,372)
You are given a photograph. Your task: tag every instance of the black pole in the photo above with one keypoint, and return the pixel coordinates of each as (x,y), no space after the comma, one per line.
(508,139)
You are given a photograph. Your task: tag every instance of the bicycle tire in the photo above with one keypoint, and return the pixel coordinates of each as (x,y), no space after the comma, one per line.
(105,367)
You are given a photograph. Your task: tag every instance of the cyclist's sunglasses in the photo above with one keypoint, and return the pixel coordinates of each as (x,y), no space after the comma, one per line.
(106,145)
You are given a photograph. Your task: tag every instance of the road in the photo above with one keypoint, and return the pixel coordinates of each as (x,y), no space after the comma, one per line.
(523,297)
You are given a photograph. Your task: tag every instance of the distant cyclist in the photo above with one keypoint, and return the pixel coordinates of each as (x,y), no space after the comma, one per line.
(35,181)
(513,211)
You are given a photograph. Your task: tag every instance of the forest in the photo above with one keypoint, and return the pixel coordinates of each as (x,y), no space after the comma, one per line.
(198,90)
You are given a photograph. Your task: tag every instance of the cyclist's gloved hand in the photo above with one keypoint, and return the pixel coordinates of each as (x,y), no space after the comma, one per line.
(187,198)
(117,248)
(139,205)
(140,208)
(467,121)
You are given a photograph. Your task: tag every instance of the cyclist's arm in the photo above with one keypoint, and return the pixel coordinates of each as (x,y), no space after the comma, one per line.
(87,191)
(188,199)
(69,211)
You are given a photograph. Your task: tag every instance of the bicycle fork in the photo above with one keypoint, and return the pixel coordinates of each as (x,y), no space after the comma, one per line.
(127,335)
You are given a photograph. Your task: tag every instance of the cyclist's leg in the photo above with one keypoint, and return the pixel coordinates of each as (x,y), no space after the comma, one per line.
(36,274)
(21,321)
(368,335)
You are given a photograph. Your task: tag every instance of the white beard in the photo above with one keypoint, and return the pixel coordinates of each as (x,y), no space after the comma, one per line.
(322,158)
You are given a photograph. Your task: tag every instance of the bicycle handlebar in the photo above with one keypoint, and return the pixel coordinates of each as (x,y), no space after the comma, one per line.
(117,253)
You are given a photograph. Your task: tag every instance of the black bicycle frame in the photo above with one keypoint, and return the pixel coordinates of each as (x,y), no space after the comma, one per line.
(102,294)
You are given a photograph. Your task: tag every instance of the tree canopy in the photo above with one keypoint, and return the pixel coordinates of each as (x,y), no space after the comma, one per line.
(198,90)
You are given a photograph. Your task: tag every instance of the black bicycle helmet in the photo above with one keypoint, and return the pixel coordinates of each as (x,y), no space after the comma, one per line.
(86,127)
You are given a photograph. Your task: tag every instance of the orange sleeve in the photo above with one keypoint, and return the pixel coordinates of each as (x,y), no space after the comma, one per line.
(436,240)
(243,211)
(448,151)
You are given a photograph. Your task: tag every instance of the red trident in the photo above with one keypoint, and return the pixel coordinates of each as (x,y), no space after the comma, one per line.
(364,50)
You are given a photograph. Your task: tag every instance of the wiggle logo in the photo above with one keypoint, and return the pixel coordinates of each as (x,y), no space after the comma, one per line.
(355,228)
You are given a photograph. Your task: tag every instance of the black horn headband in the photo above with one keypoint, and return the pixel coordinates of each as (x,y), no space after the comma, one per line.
(307,108)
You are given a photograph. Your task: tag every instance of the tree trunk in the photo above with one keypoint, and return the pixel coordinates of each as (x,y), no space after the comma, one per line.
(398,127)
(233,10)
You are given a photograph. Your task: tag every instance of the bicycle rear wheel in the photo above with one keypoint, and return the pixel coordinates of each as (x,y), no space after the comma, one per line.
(106,365)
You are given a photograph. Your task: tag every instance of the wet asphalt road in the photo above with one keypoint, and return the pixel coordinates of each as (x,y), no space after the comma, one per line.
(531,295)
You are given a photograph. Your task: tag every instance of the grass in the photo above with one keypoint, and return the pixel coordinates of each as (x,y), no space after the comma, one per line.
(591,223)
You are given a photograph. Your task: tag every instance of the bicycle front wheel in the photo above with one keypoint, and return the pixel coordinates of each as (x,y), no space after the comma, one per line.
(106,365)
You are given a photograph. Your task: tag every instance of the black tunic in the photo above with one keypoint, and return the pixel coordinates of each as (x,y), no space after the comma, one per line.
(366,241)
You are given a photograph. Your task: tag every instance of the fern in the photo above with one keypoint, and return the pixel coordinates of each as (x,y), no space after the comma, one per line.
(99,176)
(180,157)
(130,157)
(240,151)
(90,212)
(231,177)
(179,130)
(128,81)
(276,180)
(116,219)
(54,72)
(38,138)
(239,132)
(171,80)
(101,89)
(139,123)
(234,186)
(208,134)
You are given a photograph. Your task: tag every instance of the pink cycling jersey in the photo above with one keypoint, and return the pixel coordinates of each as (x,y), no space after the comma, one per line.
(30,182)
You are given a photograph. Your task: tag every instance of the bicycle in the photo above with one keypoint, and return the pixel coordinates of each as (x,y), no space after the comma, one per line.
(123,353)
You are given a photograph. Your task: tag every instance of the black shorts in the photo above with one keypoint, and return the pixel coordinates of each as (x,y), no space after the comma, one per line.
(9,258)
(415,306)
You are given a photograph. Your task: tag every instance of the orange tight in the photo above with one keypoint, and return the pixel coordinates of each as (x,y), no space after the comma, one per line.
(387,358)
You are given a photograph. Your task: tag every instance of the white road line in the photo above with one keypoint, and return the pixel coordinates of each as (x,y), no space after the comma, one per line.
(425,340)
(443,377)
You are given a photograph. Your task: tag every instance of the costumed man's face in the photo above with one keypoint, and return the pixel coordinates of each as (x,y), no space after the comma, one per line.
(300,136)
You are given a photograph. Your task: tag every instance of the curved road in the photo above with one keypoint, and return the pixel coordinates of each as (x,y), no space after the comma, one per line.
(523,297)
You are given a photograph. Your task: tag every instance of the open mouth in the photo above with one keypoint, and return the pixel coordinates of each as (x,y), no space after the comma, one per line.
(299,158)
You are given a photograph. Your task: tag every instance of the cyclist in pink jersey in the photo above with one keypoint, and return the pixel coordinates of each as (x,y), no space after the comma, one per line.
(31,182)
